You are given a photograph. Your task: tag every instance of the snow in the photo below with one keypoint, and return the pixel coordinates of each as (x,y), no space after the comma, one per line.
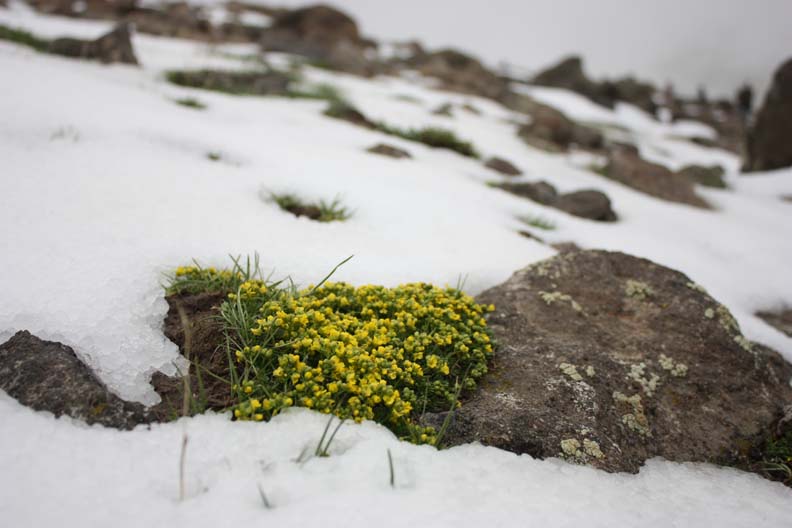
(105,185)
(100,477)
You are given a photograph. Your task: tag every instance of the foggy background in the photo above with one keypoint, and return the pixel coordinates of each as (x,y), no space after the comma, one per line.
(715,43)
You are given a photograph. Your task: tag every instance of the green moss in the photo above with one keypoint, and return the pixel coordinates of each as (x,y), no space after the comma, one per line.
(638,290)
(24,38)
(432,136)
(190,102)
(321,211)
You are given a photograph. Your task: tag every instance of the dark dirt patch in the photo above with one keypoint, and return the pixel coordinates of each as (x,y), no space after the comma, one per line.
(205,335)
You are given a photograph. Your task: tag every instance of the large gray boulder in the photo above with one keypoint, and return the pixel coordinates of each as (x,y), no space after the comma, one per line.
(770,138)
(48,376)
(609,360)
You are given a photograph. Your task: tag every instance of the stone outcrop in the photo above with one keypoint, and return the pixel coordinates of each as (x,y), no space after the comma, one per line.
(48,376)
(770,138)
(609,360)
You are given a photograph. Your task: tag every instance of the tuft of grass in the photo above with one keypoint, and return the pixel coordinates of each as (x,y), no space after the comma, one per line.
(602,170)
(24,38)
(777,458)
(322,92)
(322,211)
(190,102)
(538,222)
(323,447)
(253,82)
(433,137)
(392,479)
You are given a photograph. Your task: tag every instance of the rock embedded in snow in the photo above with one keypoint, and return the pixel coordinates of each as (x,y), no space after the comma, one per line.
(459,72)
(115,46)
(627,167)
(780,320)
(550,129)
(540,192)
(389,150)
(48,376)
(587,203)
(320,33)
(503,166)
(608,359)
(568,74)
(770,138)
(711,176)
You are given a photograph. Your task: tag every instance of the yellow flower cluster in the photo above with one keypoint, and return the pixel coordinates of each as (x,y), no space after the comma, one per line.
(195,279)
(365,353)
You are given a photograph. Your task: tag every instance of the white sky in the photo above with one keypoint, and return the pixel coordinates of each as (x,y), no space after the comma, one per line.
(720,43)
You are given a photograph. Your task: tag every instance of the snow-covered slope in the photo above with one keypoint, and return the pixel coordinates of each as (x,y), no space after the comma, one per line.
(105,184)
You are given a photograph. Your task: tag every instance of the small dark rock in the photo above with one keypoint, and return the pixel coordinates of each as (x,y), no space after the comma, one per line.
(444,110)
(389,150)
(565,247)
(540,192)
(550,129)
(346,112)
(115,46)
(48,376)
(503,166)
(706,176)
(780,320)
(627,167)
(591,204)
(459,72)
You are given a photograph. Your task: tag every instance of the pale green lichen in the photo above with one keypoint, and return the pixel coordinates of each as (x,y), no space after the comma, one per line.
(709,313)
(636,420)
(678,370)
(638,374)
(727,321)
(592,448)
(552,297)
(570,447)
(573,451)
(638,290)
(697,287)
(571,371)
(590,372)
(744,343)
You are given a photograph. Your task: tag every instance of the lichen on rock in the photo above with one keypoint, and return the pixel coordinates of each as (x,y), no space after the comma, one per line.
(638,290)
(552,297)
